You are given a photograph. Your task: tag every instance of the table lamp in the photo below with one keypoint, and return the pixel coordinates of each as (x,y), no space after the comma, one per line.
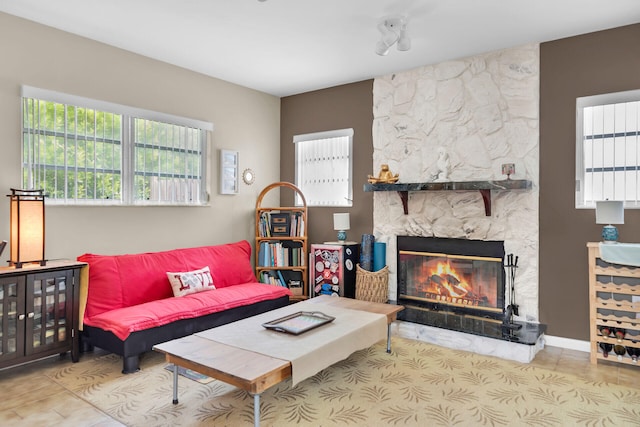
(610,212)
(27,227)
(341,225)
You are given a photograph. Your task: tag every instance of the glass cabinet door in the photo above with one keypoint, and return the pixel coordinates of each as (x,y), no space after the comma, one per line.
(49,311)
(12,317)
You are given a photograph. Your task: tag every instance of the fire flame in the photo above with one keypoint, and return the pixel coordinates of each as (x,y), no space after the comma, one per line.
(444,280)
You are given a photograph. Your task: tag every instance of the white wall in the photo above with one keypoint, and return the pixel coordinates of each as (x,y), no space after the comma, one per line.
(484,111)
(244,120)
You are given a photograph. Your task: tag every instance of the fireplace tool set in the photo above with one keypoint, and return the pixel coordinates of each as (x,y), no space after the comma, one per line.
(512,308)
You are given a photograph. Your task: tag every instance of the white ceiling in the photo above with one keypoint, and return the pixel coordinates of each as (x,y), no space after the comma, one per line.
(285,47)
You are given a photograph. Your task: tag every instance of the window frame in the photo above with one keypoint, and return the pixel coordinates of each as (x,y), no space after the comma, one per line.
(128,172)
(317,136)
(580,171)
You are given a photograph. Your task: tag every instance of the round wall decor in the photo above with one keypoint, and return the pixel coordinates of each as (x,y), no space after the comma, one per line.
(248,176)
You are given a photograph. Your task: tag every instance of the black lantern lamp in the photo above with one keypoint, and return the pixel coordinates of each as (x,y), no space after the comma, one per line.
(27,227)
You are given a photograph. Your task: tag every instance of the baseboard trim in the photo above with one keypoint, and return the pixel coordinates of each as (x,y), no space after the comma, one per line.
(568,343)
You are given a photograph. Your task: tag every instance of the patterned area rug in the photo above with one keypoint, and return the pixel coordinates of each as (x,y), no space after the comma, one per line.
(418,384)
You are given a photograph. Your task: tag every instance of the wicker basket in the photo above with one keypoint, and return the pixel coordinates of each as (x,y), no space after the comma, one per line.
(372,286)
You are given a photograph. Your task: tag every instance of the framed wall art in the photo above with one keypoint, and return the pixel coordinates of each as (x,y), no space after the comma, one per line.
(228,172)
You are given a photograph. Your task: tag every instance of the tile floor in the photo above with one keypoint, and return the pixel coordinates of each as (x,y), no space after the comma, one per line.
(577,363)
(28,398)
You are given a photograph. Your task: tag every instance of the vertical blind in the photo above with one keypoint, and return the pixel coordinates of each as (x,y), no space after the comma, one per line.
(611,152)
(324,167)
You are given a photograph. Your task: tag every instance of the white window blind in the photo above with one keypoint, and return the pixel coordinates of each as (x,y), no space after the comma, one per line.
(168,163)
(83,151)
(324,167)
(608,149)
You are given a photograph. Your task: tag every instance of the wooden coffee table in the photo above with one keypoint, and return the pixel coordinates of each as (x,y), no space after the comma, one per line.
(248,370)
(389,310)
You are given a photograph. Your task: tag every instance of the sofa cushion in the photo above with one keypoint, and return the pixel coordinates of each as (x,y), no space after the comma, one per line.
(118,281)
(189,282)
(124,321)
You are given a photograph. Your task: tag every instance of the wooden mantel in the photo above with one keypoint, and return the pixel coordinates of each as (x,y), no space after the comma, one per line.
(484,187)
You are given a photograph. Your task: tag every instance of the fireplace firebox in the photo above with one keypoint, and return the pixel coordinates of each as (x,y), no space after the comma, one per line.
(452,275)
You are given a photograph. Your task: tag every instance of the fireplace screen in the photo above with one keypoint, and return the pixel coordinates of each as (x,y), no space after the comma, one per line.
(467,277)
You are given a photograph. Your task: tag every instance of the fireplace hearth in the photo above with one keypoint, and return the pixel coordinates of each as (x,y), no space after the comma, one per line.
(457,284)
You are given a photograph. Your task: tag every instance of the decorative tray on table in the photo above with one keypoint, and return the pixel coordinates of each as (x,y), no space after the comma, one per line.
(299,322)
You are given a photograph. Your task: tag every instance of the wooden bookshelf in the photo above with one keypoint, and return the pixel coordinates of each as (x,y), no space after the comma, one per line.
(281,254)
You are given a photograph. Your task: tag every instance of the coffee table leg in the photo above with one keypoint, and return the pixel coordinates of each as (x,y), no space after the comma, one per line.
(389,338)
(256,410)
(175,384)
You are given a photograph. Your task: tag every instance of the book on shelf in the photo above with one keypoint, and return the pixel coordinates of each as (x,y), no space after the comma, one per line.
(263,254)
(270,278)
(301,230)
(297,224)
(280,254)
(264,227)
(285,278)
(281,278)
(293,254)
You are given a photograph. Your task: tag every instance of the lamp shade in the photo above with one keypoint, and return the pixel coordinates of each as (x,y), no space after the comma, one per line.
(610,212)
(404,42)
(27,227)
(341,221)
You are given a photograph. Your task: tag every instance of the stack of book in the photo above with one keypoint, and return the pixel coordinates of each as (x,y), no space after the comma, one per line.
(280,254)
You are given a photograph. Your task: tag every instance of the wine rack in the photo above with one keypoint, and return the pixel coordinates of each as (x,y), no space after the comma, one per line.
(614,313)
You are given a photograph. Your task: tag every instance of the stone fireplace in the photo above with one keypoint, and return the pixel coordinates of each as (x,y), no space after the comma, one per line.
(483,112)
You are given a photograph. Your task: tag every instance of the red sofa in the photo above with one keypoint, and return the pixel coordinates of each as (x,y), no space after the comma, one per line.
(127,303)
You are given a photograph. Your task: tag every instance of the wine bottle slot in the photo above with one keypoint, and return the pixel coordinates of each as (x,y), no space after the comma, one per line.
(619,350)
(604,331)
(634,353)
(606,348)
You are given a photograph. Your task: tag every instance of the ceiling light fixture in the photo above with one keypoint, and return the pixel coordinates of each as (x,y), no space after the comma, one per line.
(393,30)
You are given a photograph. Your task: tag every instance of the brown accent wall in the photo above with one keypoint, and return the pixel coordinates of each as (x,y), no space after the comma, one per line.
(606,61)
(595,63)
(340,107)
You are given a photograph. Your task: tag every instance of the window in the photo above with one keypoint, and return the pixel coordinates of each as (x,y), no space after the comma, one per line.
(323,167)
(83,151)
(608,149)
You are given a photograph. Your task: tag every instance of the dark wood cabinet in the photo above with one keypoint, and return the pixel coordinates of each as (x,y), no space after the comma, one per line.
(39,311)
